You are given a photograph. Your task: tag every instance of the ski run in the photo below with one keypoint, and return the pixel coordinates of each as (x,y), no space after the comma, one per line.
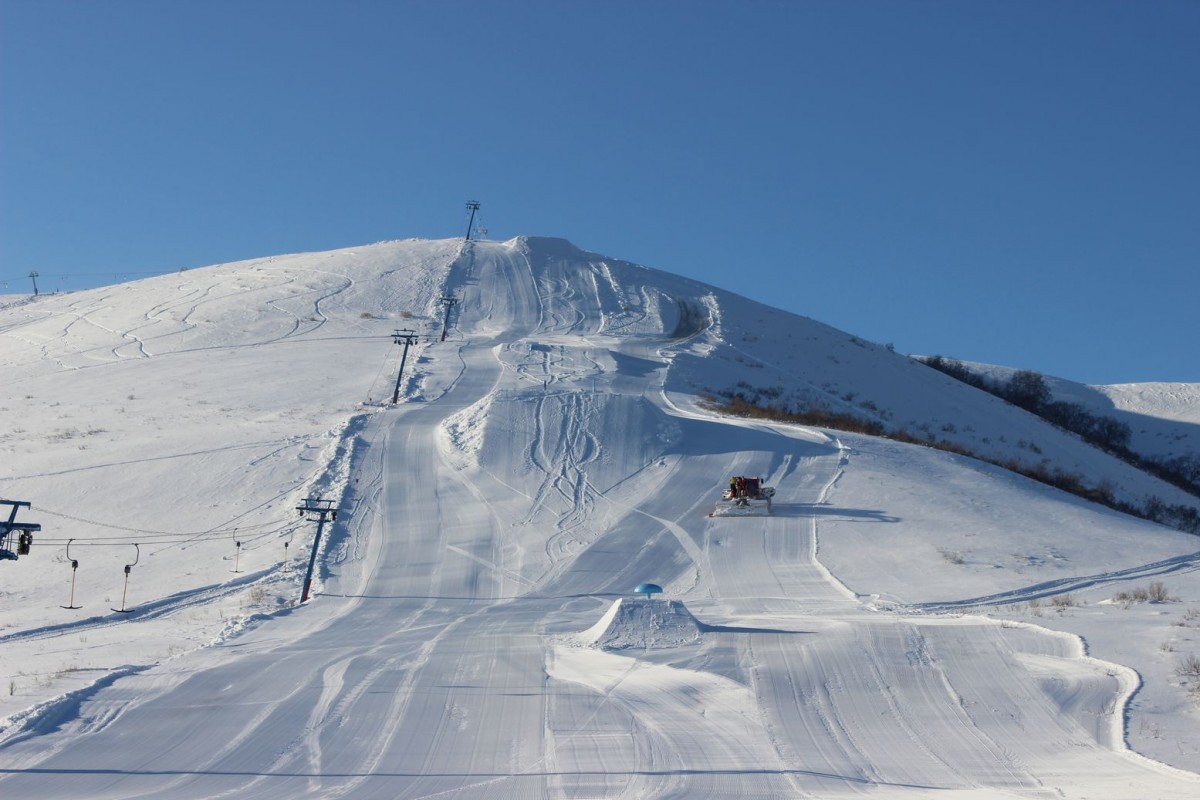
(892,621)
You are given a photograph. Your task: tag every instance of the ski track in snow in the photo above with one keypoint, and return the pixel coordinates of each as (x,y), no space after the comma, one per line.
(1179,564)
(545,464)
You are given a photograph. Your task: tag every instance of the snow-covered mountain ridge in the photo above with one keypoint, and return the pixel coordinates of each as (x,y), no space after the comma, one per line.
(547,456)
(1163,418)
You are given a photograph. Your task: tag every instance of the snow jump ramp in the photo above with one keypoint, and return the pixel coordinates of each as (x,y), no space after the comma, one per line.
(640,623)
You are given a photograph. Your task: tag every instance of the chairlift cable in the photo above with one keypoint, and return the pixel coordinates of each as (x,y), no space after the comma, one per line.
(144,531)
(125,541)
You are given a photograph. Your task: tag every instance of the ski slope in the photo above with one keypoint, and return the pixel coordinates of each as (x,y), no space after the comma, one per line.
(474,631)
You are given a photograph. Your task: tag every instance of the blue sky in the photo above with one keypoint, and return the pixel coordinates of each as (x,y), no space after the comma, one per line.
(1009,182)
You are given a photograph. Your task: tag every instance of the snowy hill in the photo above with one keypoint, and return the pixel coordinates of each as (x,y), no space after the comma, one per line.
(908,620)
(1163,418)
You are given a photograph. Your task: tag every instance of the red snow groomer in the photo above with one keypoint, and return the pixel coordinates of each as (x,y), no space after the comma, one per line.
(745,497)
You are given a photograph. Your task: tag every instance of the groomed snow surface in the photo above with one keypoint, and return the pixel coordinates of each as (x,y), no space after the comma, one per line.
(907,623)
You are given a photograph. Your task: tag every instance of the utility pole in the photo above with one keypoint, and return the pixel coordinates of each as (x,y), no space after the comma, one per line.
(449,302)
(34,277)
(23,530)
(408,336)
(472,206)
(322,510)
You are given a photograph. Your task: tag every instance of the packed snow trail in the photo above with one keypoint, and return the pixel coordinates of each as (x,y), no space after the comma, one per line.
(547,475)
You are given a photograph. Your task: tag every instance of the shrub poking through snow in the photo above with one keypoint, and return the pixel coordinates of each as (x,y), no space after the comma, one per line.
(1156,592)
(952,556)
(1188,668)
(1062,601)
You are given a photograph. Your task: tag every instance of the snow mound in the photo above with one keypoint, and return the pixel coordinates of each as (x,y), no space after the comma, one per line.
(642,623)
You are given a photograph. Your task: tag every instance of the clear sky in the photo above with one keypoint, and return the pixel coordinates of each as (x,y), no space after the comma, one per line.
(1009,182)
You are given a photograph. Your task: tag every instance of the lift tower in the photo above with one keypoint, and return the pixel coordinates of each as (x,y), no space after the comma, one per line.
(472,206)
(449,302)
(406,337)
(320,511)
